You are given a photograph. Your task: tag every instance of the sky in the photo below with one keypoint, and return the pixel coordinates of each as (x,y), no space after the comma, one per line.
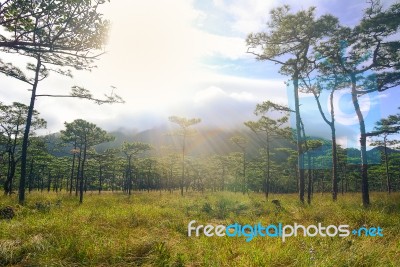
(188,58)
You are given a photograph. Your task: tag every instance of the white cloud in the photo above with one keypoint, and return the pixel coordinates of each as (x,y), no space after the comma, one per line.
(227,47)
(214,93)
(249,15)
(255,89)
(243,96)
(208,94)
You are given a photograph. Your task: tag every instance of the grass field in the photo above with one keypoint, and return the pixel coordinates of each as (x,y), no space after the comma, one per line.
(149,229)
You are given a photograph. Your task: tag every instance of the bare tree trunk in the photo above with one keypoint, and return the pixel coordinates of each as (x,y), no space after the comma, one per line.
(49,181)
(24,150)
(113,180)
(300,156)
(82,172)
(129,176)
(12,164)
(30,177)
(72,169)
(363,144)
(100,179)
(334,165)
(387,167)
(78,173)
(183,164)
(268,169)
(334,151)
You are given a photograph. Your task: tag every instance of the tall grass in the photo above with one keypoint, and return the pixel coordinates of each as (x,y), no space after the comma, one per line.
(149,229)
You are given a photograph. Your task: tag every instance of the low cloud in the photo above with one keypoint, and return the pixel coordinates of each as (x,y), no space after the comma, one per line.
(214,93)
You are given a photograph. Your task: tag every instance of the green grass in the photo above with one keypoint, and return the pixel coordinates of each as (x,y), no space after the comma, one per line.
(149,229)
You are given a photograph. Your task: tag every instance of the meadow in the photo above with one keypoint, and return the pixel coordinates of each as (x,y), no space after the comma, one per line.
(150,229)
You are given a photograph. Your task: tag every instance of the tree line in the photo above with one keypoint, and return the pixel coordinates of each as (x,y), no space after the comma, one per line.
(73,162)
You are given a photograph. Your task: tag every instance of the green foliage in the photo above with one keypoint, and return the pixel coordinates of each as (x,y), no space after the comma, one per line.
(134,148)
(12,127)
(184,123)
(13,120)
(223,205)
(207,208)
(162,255)
(46,26)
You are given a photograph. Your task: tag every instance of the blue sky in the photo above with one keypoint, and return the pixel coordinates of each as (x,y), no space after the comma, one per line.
(186,58)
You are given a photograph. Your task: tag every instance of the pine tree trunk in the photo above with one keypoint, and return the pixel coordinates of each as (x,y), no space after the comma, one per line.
(72,169)
(24,150)
(363,144)
(82,172)
(387,168)
(300,156)
(334,151)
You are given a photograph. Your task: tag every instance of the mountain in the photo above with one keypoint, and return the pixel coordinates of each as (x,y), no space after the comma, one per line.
(207,141)
(382,149)
(204,141)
